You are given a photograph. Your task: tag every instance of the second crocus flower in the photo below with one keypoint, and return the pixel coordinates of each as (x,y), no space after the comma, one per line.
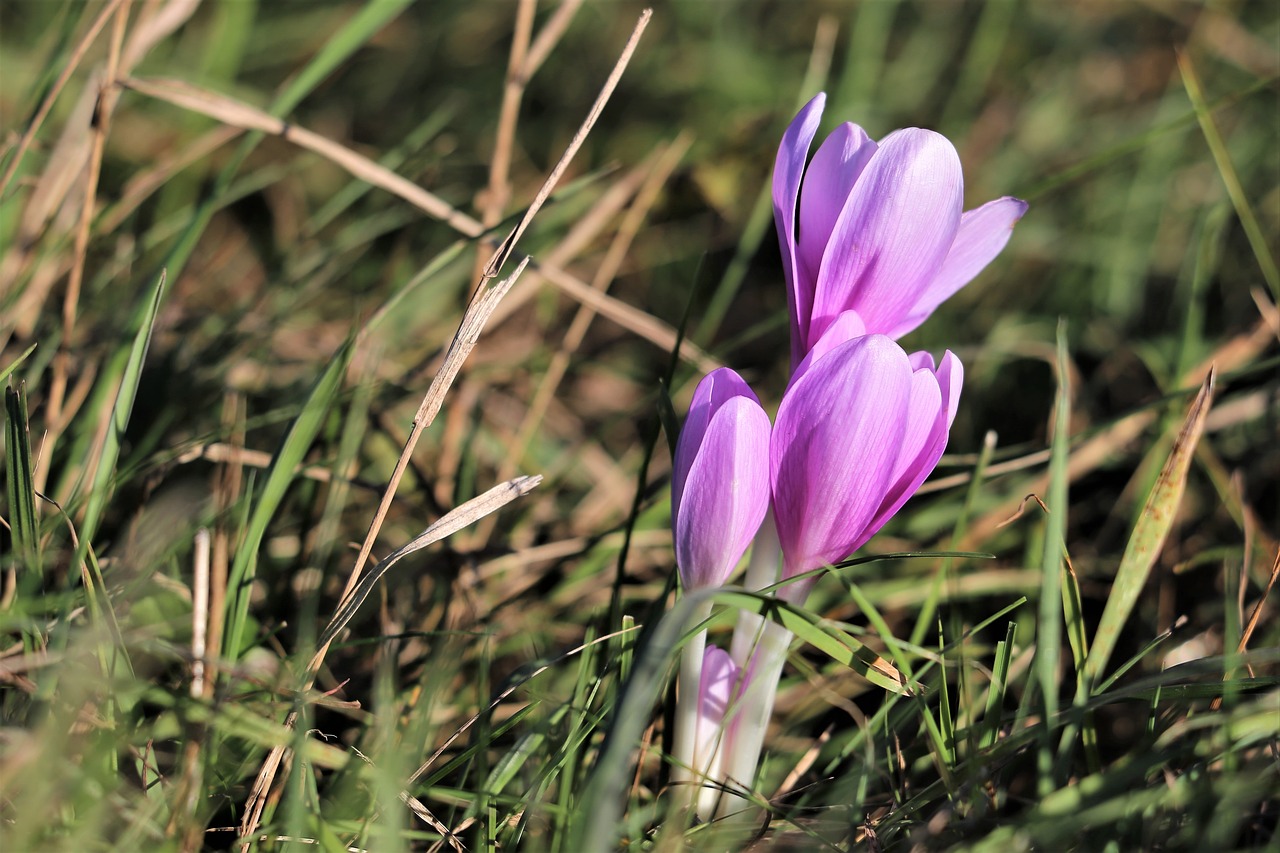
(719,496)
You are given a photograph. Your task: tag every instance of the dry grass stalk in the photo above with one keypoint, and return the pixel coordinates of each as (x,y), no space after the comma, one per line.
(69,158)
(62,367)
(68,68)
(246,117)
(605,273)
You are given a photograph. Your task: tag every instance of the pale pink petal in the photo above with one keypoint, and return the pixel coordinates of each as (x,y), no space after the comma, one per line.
(720,482)
(720,677)
(828,182)
(834,447)
(950,379)
(843,329)
(894,232)
(921,360)
(983,233)
(787,173)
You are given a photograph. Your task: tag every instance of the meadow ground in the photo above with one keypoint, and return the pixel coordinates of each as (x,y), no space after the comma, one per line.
(237,240)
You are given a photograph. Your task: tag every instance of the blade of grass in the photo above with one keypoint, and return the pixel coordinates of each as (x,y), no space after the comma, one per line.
(598,819)
(999,686)
(19,486)
(101,482)
(284,469)
(354,34)
(1148,537)
(825,637)
(761,216)
(1227,171)
(13,365)
(944,756)
(930,606)
(1049,628)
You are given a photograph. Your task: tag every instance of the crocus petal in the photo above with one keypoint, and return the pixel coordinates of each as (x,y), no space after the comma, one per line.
(712,392)
(720,479)
(834,448)
(787,171)
(922,360)
(720,677)
(950,379)
(923,440)
(828,182)
(983,233)
(843,329)
(894,231)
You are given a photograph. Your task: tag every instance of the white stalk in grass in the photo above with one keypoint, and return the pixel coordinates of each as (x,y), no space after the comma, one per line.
(690,768)
(759,649)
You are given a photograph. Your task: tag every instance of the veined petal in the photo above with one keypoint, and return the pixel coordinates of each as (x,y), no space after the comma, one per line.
(921,360)
(950,380)
(842,329)
(923,441)
(715,388)
(722,479)
(828,182)
(788,170)
(982,235)
(834,448)
(894,231)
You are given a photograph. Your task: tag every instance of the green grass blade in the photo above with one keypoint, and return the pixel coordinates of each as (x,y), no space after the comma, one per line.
(1227,171)
(825,637)
(761,216)
(944,754)
(337,49)
(101,482)
(284,468)
(971,498)
(600,809)
(999,687)
(1049,629)
(13,365)
(1148,536)
(19,483)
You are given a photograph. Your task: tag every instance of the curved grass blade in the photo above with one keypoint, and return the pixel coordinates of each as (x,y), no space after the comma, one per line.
(827,638)
(601,808)
(284,468)
(100,488)
(19,483)
(1148,536)
(5,371)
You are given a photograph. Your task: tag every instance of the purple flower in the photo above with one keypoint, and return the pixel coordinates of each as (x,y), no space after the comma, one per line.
(720,482)
(859,429)
(876,228)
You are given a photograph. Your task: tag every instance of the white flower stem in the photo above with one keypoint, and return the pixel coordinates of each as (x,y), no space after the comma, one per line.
(760,645)
(755,709)
(689,768)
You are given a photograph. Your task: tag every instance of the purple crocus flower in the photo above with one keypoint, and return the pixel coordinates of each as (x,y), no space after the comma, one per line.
(720,482)
(877,228)
(859,429)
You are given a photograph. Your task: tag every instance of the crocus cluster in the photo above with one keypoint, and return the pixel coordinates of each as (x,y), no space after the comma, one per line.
(873,239)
